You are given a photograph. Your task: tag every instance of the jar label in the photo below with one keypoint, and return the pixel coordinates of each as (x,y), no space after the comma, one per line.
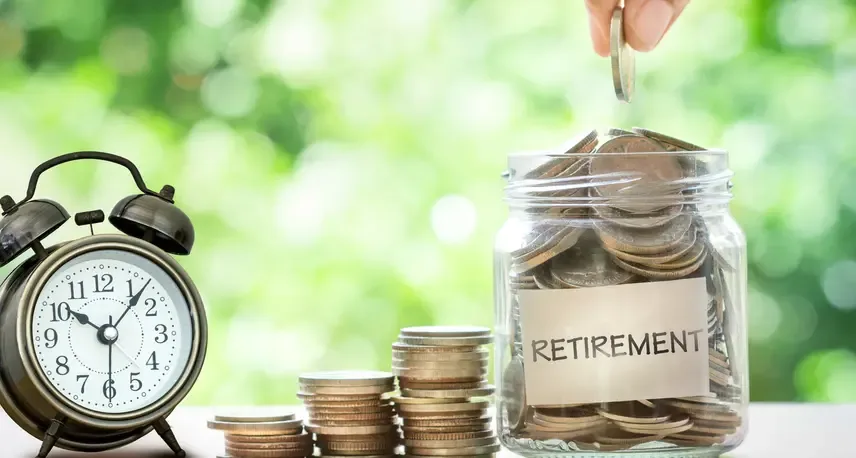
(615,343)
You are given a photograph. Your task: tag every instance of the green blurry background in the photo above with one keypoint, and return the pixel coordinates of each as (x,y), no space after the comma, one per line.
(341,160)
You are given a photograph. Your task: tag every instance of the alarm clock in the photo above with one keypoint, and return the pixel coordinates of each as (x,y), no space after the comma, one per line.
(103,336)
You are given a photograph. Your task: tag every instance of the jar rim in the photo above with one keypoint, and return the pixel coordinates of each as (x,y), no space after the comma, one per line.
(555,154)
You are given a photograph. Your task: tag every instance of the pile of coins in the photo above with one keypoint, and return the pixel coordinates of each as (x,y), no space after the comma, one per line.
(263,436)
(441,371)
(624,219)
(349,413)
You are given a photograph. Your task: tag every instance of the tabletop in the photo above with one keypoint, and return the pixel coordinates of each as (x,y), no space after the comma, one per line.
(775,431)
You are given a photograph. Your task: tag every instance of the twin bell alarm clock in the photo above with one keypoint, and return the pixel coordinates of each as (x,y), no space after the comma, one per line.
(100,337)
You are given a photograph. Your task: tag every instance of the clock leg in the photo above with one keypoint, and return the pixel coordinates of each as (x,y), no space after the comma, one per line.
(165,432)
(51,436)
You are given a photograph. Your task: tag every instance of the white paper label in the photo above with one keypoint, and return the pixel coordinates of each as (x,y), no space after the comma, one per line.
(615,343)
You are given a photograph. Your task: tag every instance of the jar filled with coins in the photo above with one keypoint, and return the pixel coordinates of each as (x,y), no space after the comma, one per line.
(620,300)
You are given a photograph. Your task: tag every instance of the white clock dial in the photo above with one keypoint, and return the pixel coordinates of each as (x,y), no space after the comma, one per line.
(112,332)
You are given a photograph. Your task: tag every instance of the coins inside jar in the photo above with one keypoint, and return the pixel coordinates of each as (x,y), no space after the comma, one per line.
(642,222)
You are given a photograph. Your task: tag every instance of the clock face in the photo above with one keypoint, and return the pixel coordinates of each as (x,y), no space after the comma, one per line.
(112,332)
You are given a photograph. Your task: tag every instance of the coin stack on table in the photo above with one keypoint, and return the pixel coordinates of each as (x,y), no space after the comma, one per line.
(349,413)
(263,436)
(646,231)
(442,376)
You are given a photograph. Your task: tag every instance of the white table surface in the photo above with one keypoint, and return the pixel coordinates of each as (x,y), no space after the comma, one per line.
(775,431)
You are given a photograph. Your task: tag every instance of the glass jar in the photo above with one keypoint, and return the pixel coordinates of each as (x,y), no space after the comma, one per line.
(620,301)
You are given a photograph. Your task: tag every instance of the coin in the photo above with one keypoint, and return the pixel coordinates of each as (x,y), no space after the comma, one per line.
(423,385)
(303,445)
(446,331)
(685,244)
(445,407)
(398,346)
(338,416)
(672,143)
(346,378)
(632,412)
(349,430)
(587,266)
(282,438)
(346,390)
(446,365)
(644,241)
(277,453)
(445,429)
(475,374)
(656,274)
(450,444)
(488,390)
(258,429)
(252,416)
(446,341)
(622,57)
(648,220)
(411,400)
(466,451)
(333,410)
(408,434)
(558,241)
(513,397)
(411,421)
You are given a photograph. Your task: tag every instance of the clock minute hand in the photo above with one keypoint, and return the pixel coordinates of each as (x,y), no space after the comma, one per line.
(83,319)
(132,302)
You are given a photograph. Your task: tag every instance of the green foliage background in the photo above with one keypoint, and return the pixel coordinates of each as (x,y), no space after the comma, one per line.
(341,160)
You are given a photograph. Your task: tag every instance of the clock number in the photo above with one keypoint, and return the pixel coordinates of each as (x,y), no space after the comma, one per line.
(108,282)
(161,330)
(151,303)
(62,365)
(60,312)
(136,384)
(108,389)
(51,337)
(75,288)
(85,379)
(130,288)
(152,361)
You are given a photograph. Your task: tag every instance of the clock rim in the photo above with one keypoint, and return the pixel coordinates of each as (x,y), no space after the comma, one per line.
(199,338)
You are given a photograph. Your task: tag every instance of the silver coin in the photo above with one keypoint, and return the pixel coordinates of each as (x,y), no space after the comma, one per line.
(588,265)
(650,220)
(644,241)
(514,394)
(561,240)
(622,57)
(671,143)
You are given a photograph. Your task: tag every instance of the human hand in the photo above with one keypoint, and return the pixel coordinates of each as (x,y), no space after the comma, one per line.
(645,22)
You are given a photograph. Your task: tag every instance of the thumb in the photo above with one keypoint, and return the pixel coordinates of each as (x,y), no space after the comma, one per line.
(646,21)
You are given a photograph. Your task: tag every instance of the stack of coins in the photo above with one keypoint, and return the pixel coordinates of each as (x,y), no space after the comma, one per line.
(349,413)
(641,230)
(263,436)
(441,371)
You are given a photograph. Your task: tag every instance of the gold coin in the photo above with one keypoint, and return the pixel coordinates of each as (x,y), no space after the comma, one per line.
(336,423)
(294,438)
(253,416)
(446,429)
(346,378)
(447,407)
(487,390)
(347,390)
(398,346)
(466,451)
(258,429)
(390,436)
(445,341)
(276,453)
(349,430)
(359,453)
(446,331)
(450,444)
(329,412)
(443,415)
(477,355)
(408,434)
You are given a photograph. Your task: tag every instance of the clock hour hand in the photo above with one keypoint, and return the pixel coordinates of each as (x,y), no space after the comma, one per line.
(132,302)
(82,318)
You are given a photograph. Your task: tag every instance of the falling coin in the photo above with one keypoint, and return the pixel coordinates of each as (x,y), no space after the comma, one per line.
(623,59)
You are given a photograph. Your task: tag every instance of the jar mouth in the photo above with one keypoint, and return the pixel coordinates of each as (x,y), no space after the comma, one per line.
(618,179)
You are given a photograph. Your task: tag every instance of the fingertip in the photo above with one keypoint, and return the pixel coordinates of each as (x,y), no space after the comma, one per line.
(599,38)
(647,22)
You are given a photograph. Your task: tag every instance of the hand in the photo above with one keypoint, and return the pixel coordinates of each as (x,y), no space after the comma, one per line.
(645,22)
(132,302)
(110,362)
(83,319)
